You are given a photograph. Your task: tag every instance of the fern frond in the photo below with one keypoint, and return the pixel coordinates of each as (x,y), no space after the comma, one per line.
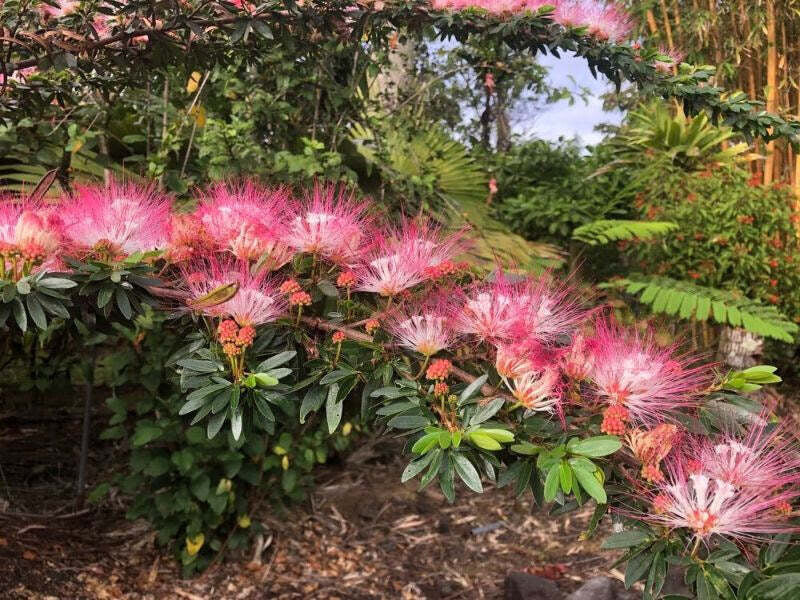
(605,231)
(688,301)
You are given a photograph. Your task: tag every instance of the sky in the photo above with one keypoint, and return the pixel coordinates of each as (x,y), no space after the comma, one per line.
(562,120)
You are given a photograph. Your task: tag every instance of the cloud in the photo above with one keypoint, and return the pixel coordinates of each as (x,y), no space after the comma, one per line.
(554,121)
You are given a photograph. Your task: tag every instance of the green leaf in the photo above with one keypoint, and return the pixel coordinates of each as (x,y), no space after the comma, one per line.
(565,476)
(589,483)
(123,303)
(36,312)
(481,440)
(146,433)
(525,448)
(200,397)
(336,375)
(487,411)
(215,423)
(426,442)
(276,361)
(265,380)
(777,587)
(626,539)
(333,408)
(596,446)
(408,422)
(501,435)
(415,467)
(56,283)
(472,388)
(637,566)
(312,401)
(20,316)
(551,483)
(236,423)
(467,472)
(200,366)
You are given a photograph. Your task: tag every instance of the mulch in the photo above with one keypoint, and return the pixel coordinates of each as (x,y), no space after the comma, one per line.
(362,535)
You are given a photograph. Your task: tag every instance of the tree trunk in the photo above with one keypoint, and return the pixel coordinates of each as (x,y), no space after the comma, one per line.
(772,85)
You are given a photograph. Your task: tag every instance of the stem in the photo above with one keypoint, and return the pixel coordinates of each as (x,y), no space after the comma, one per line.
(338,352)
(87,418)
(696,547)
(299,314)
(422,368)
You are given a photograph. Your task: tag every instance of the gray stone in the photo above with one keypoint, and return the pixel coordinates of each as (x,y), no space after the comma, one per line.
(524,586)
(602,588)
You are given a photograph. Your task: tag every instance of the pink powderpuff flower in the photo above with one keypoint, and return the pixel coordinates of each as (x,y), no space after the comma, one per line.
(121,218)
(650,382)
(62,8)
(675,57)
(578,360)
(406,257)
(763,457)
(513,360)
(547,312)
(605,21)
(490,311)
(188,238)
(257,299)
(424,329)
(331,224)
(709,506)
(248,221)
(536,390)
(31,231)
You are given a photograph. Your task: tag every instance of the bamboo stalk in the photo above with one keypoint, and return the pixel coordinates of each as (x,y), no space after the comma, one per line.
(772,85)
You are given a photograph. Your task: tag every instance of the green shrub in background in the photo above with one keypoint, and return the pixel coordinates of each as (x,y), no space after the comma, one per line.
(546,189)
(732,234)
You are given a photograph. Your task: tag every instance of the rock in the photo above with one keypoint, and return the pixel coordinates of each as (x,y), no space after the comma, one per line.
(602,588)
(524,586)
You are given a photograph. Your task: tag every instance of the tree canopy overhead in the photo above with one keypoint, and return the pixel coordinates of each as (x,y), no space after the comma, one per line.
(111,45)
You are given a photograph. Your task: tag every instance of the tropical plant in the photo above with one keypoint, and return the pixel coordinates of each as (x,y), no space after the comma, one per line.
(699,303)
(606,231)
(691,143)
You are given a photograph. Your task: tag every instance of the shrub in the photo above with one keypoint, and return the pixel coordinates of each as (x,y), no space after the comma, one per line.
(269,293)
(546,190)
(732,234)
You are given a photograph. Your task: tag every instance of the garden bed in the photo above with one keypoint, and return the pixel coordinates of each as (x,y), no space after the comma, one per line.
(363,534)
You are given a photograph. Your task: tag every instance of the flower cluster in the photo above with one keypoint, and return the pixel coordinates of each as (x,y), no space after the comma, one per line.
(30,237)
(606,21)
(740,486)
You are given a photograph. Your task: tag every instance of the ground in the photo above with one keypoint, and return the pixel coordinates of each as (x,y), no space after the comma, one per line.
(362,535)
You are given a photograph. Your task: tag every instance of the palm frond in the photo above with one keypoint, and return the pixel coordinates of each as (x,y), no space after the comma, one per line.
(689,301)
(609,230)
